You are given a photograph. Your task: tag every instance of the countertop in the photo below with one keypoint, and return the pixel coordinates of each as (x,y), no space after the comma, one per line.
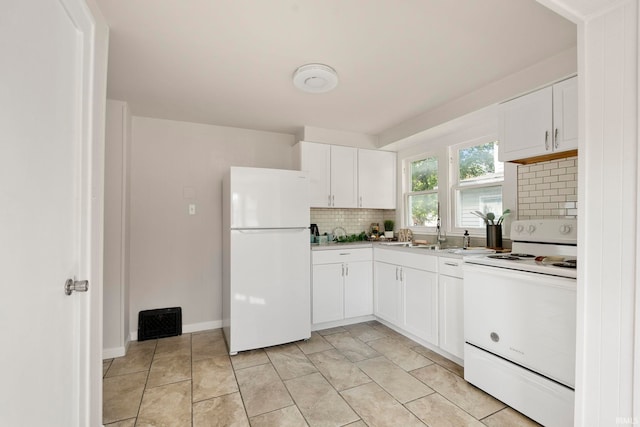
(446,252)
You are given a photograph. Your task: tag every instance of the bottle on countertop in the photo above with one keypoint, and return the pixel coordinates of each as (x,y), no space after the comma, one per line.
(466,240)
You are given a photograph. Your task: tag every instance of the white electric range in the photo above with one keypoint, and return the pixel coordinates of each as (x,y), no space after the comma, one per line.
(520,321)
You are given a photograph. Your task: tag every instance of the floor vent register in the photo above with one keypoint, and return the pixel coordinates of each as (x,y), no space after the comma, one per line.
(159,323)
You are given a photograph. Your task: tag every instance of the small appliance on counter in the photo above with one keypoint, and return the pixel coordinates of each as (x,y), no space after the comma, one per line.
(314,233)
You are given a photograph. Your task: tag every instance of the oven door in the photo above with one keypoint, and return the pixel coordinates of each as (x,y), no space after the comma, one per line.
(527,318)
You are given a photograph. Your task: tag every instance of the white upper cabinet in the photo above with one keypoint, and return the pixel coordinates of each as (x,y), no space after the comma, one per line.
(344,177)
(565,115)
(315,159)
(348,177)
(376,179)
(542,123)
(333,173)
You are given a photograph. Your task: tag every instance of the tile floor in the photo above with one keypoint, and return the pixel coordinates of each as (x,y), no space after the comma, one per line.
(359,375)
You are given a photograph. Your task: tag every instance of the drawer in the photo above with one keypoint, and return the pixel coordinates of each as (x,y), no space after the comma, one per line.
(419,261)
(450,267)
(333,256)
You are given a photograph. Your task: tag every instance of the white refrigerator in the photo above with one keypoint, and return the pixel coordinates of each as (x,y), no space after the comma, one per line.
(266,258)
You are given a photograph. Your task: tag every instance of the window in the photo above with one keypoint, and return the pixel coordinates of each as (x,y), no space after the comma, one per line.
(422,198)
(477,183)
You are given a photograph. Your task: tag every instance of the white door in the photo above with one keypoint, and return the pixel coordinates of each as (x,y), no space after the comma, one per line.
(376,179)
(387,292)
(344,177)
(358,289)
(315,159)
(565,115)
(451,315)
(328,292)
(271,299)
(269,198)
(52,95)
(525,128)
(421,303)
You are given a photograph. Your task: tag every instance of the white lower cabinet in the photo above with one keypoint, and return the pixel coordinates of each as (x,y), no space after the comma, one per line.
(358,288)
(328,296)
(342,284)
(421,303)
(418,293)
(406,292)
(451,319)
(388,292)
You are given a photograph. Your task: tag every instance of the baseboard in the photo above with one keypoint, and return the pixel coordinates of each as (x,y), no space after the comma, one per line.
(422,342)
(342,322)
(110,353)
(203,326)
(189,328)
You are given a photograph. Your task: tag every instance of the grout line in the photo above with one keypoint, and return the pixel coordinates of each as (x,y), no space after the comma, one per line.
(307,358)
(144,389)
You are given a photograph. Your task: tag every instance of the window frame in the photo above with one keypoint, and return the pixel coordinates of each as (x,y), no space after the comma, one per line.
(456,185)
(406,190)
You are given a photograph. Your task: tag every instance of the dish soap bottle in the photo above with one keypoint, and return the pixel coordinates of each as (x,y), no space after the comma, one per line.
(466,240)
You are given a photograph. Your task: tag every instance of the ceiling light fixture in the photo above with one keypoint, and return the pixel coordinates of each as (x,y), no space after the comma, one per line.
(315,78)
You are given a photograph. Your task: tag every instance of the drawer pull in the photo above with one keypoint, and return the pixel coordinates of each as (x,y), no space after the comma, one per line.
(452,264)
(345,253)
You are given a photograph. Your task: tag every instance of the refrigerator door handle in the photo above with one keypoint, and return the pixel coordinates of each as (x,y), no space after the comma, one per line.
(263,230)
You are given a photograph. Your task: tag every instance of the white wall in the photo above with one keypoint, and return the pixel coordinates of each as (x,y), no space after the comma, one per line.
(607,379)
(176,258)
(116,230)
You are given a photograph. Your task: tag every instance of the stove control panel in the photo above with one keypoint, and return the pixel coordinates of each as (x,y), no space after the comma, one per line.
(545,230)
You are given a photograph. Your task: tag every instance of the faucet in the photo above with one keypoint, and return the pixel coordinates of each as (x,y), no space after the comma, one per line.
(438,233)
(438,229)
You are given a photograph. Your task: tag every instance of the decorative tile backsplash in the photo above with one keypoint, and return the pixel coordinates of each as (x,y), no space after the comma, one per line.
(548,189)
(353,221)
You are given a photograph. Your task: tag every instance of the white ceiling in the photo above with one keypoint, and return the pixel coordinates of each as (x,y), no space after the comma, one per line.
(230,62)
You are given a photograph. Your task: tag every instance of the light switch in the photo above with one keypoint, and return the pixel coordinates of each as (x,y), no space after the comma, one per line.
(192,209)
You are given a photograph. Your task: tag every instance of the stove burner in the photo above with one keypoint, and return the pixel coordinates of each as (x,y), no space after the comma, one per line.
(508,257)
(565,264)
(523,255)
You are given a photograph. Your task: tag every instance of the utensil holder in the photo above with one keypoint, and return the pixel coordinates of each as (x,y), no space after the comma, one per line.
(494,236)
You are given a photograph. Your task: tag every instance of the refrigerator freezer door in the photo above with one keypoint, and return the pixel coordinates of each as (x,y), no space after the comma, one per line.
(268,198)
(270,288)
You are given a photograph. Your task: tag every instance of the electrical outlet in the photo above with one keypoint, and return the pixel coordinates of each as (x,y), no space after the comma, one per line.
(192,209)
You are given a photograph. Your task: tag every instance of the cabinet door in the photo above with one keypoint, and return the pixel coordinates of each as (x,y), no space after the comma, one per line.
(525,128)
(315,159)
(387,292)
(451,317)
(420,302)
(344,177)
(376,179)
(328,298)
(358,289)
(565,115)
